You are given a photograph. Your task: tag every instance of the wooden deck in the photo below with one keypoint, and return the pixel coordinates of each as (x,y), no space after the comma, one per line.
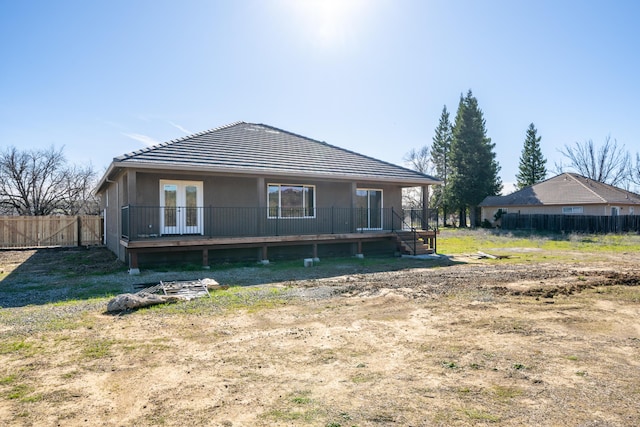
(205,244)
(198,241)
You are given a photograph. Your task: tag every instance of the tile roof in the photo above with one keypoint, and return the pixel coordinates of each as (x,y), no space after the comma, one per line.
(260,149)
(566,189)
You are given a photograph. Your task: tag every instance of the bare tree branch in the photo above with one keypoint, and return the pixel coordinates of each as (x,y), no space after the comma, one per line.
(39,182)
(420,160)
(609,163)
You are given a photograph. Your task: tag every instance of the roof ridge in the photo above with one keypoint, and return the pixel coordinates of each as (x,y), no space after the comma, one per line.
(574,177)
(345,150)
(173,141)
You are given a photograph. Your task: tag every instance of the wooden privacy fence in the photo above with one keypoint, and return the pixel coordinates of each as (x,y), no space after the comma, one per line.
(48,231)
(572,223)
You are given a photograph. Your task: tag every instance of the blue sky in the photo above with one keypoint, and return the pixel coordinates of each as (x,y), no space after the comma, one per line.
(103,78)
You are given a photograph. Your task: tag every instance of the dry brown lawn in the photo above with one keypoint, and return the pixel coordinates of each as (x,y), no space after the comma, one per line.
(433,343)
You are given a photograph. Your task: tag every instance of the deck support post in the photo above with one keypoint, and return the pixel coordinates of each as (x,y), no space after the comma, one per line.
(315,253)
(264,258)
(359,253)
(205,259)
(425,208)
(133,263)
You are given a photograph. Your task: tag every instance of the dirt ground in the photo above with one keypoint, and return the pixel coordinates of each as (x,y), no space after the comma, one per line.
(451,342)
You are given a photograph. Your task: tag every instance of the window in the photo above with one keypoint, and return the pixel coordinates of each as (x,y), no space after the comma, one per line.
(291,201)
(572,210)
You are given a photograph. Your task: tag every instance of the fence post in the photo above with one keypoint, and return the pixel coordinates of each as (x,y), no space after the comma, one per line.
(79,230)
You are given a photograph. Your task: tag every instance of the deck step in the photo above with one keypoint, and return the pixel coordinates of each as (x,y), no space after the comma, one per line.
(425,242)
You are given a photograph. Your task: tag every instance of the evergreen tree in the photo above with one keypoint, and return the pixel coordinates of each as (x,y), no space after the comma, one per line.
(474,169)
(440,150)
(532,167)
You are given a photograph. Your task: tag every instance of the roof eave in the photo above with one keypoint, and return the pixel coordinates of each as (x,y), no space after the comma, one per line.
(105,177)
(407,182)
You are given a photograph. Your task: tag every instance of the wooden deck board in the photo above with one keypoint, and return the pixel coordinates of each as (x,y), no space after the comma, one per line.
(196,242)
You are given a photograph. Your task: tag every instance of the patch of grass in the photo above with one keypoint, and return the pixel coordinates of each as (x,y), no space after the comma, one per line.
(7,380)
(505,392)
(69,375)
(97,349)
(296,406)
(364,377)
(479,415)
(574,358)
(17,346)
(620,293)
(23,393)
(449,365)
(461,241)
(302,398)
(235,298)
(292,415)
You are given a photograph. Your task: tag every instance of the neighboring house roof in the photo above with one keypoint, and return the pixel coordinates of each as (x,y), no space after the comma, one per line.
(259,149)
(565,189)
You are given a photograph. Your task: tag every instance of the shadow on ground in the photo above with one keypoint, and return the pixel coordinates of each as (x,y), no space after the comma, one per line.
(42,276)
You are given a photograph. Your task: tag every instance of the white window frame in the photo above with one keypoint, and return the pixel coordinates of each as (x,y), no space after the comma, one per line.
(572,210)
(304,208)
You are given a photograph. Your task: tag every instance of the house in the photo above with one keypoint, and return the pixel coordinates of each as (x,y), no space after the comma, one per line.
(565,194)
(246,190)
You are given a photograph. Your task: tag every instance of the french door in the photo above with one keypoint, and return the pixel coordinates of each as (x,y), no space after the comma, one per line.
(181,207)
(369,209)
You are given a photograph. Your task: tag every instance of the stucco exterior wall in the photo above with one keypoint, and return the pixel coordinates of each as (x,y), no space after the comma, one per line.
(141,188)
(111,199)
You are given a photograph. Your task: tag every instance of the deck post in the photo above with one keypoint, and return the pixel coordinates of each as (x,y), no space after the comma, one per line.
(205,259)
(425,207)
(315,253)
(264,258)
(359,253)
(133,263)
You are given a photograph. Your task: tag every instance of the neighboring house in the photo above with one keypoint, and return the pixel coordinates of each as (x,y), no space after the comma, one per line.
(244,189)
(568,194)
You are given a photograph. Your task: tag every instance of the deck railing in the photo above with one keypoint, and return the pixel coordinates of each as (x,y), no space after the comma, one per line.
(147,222)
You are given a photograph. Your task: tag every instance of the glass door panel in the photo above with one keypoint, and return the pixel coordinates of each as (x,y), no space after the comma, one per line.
(375,209)
(181,207)
(369,209)
(362,209)
(169,209)
(192,212)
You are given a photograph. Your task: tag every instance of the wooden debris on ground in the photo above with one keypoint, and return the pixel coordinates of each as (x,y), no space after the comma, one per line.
(162,293)
(482,255)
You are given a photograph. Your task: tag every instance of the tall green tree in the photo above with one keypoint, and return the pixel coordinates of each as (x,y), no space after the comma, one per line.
(474,169)
(532,167)
(440,156)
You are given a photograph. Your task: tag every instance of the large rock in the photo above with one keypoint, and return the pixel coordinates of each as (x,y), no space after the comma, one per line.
(125,302)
